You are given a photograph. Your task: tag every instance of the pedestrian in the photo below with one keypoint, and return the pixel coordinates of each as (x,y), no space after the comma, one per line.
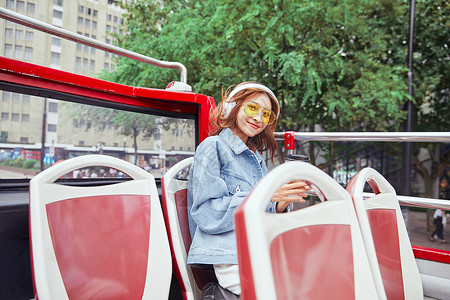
(438,232)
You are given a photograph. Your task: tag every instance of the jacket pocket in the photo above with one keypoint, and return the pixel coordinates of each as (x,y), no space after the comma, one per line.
(235,182)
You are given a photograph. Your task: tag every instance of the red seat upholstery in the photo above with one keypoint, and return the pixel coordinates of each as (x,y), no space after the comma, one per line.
(98,242)
(313,253)
(174,199)
(385,235)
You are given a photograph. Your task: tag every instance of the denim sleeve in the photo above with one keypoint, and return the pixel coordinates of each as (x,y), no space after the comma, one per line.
(213,206)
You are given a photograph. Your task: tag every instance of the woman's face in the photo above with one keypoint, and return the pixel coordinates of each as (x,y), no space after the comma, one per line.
(251,126)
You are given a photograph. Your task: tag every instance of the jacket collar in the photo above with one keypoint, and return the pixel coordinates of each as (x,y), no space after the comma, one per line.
(235,143)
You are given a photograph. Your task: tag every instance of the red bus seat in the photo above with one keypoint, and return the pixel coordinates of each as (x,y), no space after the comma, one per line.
(192,279)
(385,235)
(98,242)
(313,253)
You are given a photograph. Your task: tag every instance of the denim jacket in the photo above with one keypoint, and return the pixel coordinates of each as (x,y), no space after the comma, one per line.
(224,171)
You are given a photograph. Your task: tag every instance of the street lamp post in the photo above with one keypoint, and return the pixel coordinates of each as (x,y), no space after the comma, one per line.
(44,125)
(406,186)
(409,107)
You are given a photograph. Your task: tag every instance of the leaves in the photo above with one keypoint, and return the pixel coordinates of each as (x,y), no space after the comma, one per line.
(337,64)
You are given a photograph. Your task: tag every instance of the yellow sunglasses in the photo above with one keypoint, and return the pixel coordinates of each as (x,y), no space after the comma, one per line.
(252,109)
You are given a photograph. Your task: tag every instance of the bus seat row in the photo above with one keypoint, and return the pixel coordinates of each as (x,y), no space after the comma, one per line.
(98,242)
(341,248)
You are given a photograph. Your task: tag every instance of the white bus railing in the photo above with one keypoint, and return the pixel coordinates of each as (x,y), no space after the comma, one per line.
(290,137)
(39,25)
(369,136)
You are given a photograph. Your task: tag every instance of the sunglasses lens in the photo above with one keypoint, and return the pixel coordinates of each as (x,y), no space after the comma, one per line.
(252,109)
(268,117)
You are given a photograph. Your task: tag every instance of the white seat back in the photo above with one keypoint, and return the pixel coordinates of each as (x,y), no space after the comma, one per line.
(385,235)
(174,200)
(98,242)
(313,253)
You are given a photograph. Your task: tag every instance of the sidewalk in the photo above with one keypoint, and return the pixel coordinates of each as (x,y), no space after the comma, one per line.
(419,235)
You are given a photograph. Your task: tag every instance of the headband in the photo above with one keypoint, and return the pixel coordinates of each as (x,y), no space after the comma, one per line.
(228,106)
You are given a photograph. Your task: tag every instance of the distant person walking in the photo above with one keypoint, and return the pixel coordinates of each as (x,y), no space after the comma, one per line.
(438,232)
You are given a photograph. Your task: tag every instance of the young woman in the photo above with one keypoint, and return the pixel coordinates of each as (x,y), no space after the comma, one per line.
(227,165)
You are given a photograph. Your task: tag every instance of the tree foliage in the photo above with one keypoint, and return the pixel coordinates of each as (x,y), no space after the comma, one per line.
(337,64)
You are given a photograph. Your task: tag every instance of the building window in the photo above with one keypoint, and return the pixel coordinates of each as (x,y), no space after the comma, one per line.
(108,28)
(15,98)
(108,41)
(51,127)
(28,53)
(8,50)
(56,41)
(58,2)
(5,116)
(15,117)
(55,58)
(75,123)
(92,50)
(29,36)
(18,51)
(30,8)
(20,5)
(87,22)
(81,143)
(80,21)
(9,33)
(94,24)
(86,49)
(78,63)
(57,14)
(106,66)
(79,47)
(19,34)
(26,99)
(23,140)
(92,65)
(53,107)
(6,96)
(95,13)
(4,137)
(89,11)
(25,118)
(85,64)
(80,8)
(109,17)
(10,4)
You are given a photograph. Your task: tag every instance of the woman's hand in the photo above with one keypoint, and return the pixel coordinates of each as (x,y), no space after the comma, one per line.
(293,191)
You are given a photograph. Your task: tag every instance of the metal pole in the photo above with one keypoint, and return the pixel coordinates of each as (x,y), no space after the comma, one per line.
(36,24)
(44,125)
(408,127)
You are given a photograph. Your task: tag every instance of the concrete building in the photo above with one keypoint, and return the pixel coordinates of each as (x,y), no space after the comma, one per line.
(21,116)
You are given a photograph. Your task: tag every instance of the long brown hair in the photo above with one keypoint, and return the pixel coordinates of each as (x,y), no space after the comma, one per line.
(263,141)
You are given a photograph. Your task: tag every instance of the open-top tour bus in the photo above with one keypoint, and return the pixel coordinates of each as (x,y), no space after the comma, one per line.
(111,238)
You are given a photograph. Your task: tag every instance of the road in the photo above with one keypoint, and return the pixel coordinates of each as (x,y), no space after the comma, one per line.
(419,235)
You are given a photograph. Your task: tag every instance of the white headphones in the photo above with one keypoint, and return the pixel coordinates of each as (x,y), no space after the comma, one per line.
(228,106)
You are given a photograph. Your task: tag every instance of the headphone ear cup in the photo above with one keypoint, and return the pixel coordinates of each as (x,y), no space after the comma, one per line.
(227,107)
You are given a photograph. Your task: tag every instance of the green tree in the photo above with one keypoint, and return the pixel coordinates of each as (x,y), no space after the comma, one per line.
(337,64)
(129,123)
